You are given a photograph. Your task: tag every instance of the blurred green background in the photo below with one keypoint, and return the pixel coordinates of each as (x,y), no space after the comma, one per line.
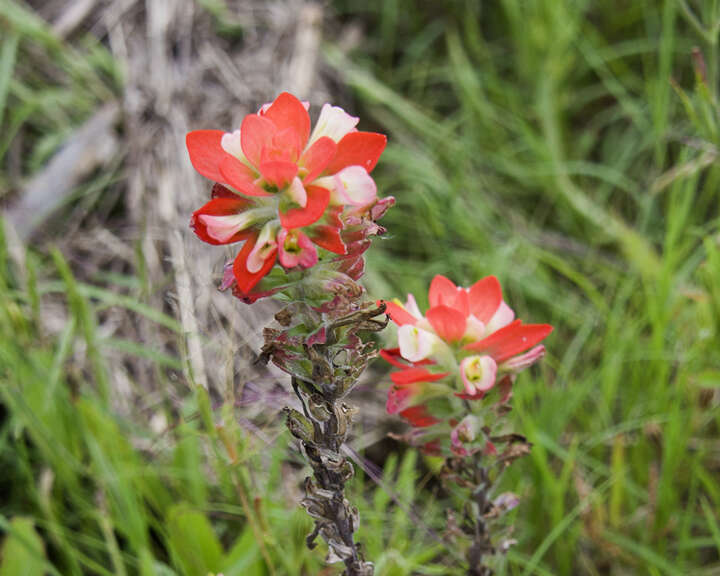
(568,147)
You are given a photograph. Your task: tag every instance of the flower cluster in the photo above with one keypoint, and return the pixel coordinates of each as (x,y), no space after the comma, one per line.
(290,195)
(467,342)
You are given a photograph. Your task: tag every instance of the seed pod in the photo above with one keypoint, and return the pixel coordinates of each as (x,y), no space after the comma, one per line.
(344,414)
(299,426)
(346,471)
(318,408)
(331,460)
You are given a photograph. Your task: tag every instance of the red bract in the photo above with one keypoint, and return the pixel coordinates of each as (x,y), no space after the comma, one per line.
(282,189)
(468,339)
(419,417)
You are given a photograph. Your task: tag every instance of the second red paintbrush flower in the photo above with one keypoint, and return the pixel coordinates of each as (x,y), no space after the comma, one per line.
(281,189)
(468,339)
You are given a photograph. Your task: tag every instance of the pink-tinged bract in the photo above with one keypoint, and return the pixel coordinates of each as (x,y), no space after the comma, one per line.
(448,323)
(246,280)
(484,298)
(219,208)
(296,249)
(419,417)
(511,340)
(398,314)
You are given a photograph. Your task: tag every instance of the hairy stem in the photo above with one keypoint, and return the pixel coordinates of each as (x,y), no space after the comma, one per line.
(483,511)
(325,365)
(481,543)
(331,470)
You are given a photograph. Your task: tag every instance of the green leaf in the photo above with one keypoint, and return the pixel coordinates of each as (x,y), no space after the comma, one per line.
(8,54)
(244,559)
(194,544)
(707,379)
(23,552)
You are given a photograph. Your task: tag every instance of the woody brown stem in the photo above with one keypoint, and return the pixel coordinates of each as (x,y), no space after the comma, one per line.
(335,518)
(339,512)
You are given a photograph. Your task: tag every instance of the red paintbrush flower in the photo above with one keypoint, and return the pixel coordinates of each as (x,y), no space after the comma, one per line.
(468,337)
(281,189)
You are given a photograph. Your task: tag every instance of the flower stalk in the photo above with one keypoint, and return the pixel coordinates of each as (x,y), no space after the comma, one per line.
(482,525)
(303,208)
(457,364)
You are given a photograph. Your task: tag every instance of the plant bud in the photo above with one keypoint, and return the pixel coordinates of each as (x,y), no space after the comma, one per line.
(299,426)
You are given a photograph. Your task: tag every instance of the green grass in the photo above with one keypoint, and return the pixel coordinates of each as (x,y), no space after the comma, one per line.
(92,493)
(570,148)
